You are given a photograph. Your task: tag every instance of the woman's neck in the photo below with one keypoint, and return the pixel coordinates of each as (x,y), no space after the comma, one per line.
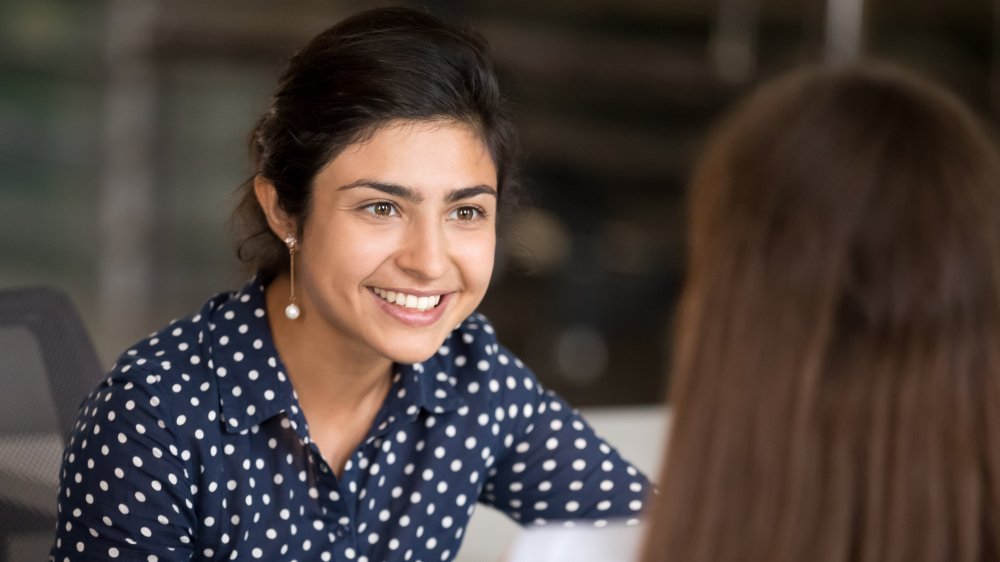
(340,384)
(323,366)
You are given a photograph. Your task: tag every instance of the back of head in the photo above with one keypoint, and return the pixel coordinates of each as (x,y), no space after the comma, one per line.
(836,377)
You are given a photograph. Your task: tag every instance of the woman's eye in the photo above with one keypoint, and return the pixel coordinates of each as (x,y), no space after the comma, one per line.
(466,214)
(382,209)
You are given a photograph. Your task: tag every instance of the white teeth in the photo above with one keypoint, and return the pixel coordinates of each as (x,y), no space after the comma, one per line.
(408,301)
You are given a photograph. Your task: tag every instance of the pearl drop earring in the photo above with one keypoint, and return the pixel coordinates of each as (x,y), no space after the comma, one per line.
(292,310)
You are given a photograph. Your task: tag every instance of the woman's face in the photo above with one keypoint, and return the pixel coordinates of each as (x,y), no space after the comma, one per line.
(399,244)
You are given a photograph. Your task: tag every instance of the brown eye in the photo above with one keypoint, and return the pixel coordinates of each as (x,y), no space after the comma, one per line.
(466,213)
(382,209)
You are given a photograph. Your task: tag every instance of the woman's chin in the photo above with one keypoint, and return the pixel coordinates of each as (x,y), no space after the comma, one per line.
(414,355)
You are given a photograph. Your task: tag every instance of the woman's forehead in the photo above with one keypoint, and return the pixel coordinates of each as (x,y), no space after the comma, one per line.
(422,156)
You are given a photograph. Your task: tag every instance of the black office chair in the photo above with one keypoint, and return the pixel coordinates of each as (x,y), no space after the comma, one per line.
(47,366)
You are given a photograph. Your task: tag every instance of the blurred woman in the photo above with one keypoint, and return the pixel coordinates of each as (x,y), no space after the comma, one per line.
(836,378)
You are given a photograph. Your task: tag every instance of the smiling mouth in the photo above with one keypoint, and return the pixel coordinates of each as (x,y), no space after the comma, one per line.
(408,301)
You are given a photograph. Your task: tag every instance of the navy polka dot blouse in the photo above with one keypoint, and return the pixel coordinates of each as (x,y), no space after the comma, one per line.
(194,448)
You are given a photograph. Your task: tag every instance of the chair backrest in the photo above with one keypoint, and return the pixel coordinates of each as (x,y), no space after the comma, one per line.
(47,366)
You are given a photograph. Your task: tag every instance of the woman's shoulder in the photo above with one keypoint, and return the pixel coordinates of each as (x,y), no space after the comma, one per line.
(160,382)
(475,367)
(168,364)
(474,350)
(180,346)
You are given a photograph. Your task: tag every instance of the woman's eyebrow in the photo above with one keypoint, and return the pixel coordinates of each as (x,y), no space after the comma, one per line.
(407,193)
(469,192)
(384,187)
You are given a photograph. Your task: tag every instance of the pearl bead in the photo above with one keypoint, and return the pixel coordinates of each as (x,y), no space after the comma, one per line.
(292,311)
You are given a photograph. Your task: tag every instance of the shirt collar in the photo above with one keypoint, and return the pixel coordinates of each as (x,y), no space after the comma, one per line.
(254,387)
(431,385)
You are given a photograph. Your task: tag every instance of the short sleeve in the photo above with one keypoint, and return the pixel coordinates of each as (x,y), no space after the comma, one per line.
(556,467)
(125,491)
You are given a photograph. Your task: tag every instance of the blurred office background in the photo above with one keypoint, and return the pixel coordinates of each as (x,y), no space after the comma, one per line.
(123,128)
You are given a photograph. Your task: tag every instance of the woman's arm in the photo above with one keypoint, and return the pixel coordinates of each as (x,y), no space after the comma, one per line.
(125,490)
(556,467)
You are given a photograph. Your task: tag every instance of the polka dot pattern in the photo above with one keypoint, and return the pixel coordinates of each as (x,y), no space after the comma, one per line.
(194,448)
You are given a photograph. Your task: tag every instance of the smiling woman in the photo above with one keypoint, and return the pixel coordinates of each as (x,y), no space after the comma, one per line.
(410,210)
(348,403)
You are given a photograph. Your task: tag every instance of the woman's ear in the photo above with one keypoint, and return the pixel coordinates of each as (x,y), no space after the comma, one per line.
(281,224)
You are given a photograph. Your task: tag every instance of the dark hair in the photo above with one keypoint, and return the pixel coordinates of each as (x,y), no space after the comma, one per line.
(836,374)
(370,69)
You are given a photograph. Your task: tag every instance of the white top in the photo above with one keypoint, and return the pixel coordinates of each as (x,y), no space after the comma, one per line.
(581,543)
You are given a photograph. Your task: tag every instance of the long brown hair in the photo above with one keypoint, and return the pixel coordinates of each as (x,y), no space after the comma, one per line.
(836,380)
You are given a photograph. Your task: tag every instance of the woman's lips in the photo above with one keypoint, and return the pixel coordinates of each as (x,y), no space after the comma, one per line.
(416,310)
(408,300)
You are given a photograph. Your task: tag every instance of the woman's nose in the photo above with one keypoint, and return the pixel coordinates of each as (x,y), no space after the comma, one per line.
(424,252)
